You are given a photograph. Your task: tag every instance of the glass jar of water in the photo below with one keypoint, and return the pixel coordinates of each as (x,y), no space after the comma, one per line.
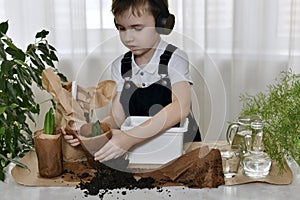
(237,131)
(256,162)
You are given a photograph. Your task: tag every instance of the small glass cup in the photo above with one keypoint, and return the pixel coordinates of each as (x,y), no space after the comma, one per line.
(230,159)
(257,165)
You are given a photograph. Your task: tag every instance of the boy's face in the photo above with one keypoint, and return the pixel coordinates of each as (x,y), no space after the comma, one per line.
(137,33)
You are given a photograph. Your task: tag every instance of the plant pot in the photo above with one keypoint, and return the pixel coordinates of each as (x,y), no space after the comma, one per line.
(91,145)
(49,153)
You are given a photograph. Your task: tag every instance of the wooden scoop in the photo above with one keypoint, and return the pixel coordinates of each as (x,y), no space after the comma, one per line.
(91,145)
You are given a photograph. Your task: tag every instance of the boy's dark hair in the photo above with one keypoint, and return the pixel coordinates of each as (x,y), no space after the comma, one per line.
(158,8)
(120,6)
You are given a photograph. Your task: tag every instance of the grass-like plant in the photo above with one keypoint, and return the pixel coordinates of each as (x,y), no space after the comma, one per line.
(279,106)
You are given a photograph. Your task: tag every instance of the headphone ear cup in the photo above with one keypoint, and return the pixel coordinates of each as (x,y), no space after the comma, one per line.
(164,25)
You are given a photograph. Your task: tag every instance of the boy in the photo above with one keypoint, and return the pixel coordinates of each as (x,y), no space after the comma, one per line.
(147,84)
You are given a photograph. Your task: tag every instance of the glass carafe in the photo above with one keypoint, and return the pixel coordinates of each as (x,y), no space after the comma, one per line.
(256,162)
(237,131)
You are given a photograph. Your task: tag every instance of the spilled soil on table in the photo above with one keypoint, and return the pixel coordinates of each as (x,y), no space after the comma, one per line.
(108,176)
(199,168)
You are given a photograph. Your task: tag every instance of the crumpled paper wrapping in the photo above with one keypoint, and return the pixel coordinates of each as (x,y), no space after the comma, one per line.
(73,112)
(49,154)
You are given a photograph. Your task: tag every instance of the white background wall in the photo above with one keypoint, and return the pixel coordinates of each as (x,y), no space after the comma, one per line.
(234,46)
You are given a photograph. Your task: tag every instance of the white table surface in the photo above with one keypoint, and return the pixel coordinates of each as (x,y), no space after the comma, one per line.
(10,190)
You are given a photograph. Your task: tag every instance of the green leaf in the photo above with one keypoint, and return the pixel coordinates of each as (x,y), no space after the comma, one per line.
(21,78)
(96,129)
(5,123)
(53,56)
(30,116)
(2,157)
(14,106)
(36,59)
(47,60)
(16,53)
(3,162)
(3,28)
(2,84)
(51,47)
(19,164)
(10,44)
(2,51)
(43,48)
(2,109)
(11,90)
(33,74)
(30,47)
(42,34)
(62,77)
(2,174)
(6,66)
(2,130)
(20,62)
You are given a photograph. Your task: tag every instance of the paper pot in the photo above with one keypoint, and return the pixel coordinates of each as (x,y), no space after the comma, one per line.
(91,145)
(49,154)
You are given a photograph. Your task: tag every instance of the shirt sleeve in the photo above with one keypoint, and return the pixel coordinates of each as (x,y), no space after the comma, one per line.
(179,67)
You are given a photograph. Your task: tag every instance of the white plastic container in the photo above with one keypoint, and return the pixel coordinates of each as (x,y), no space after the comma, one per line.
(159,149)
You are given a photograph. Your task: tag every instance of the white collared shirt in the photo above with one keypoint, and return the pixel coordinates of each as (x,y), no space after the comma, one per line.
(178,69)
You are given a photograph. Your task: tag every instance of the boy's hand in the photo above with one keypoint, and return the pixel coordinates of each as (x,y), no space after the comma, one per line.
(70,139)
(118,145)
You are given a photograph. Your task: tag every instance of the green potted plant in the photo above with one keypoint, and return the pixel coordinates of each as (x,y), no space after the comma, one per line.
(279,106)
(19,71)
(48,147)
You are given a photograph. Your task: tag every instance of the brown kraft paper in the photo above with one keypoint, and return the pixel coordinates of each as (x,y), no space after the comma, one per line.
(198,168)
(29,176)
(49,154)
(91,145)
(73,112)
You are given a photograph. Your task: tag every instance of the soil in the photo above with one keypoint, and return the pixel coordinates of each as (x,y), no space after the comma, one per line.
(101,178)
(77,171)
(110,175)
(187,171)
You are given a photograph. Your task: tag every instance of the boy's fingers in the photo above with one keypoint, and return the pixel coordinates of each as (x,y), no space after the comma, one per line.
(68,137)
(63,130)
(76,143)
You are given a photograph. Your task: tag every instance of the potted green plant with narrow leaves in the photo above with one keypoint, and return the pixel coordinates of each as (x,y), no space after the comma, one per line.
(48,147)
(279,106)
(20,70)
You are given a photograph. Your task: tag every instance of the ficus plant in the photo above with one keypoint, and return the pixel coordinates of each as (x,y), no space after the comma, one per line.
(279,106)
(19,71)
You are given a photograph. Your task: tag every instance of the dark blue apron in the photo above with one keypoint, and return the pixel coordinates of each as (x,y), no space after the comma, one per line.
(150,100)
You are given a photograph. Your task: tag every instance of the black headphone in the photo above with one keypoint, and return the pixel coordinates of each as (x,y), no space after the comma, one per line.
(165,21)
